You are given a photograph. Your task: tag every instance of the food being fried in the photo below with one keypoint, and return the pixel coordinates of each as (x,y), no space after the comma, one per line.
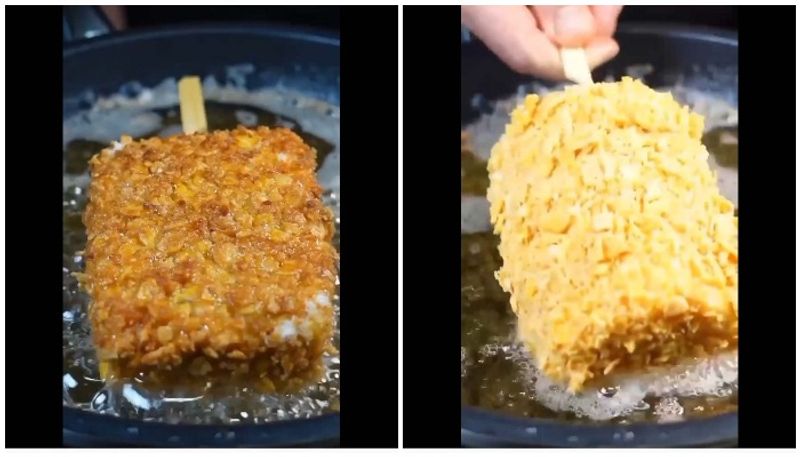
(210,255)
(619,252)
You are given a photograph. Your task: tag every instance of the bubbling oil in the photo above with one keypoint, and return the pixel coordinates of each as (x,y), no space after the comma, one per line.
(155,112)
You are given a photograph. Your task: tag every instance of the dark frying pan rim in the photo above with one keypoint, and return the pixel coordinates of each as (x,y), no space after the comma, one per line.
(499,429)
(293,432)
(307,34)
(320,430)
(698,33)
(484,427)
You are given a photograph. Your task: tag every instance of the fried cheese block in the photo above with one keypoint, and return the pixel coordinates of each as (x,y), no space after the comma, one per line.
(619,252)
(210,255)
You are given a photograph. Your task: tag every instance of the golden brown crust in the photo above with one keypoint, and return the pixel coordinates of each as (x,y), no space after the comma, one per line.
(210,251)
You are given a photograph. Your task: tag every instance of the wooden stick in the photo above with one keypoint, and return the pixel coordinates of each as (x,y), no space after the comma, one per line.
(193,112)
(576,66)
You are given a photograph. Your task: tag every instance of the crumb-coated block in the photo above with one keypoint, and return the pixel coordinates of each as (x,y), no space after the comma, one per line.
(618,249)
(210,254)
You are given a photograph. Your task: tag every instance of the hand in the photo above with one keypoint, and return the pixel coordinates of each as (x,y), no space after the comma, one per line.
(116,15)
(527,39)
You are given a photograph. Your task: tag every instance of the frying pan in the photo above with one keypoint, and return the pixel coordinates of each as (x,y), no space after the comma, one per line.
(674,51)
(301,59)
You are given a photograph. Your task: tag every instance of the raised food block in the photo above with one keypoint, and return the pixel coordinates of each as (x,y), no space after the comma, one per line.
(618,249)
(209,256)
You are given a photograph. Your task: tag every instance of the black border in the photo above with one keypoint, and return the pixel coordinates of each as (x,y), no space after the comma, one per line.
(369,235)
(767,181)
(431,233)
(33,228)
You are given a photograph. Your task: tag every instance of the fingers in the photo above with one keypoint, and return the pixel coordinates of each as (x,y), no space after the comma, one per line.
(116,15)
(590,27)
(601,50)
(527,39)
(566,25)
(605,18)
(584,26)
(512,33)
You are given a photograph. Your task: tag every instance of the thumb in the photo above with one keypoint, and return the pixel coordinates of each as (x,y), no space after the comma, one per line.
(600,51)
(573,25)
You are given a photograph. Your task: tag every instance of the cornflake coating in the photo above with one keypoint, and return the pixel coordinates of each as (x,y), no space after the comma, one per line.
(210,254)
(618,250)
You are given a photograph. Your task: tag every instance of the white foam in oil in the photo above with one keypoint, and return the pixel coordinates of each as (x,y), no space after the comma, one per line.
(621,395)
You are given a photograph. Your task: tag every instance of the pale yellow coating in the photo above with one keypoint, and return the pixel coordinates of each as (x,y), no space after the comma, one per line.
(618,249)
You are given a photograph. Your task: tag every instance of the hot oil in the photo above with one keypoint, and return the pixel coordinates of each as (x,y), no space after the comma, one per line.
(134,396)
(220,116)
(723,144)
(498,373)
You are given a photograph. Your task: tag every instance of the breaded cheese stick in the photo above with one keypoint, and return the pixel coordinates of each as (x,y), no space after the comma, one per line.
(618,249)
(210,255)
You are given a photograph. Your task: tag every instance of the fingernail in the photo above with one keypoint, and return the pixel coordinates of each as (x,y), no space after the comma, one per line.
(570,20)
